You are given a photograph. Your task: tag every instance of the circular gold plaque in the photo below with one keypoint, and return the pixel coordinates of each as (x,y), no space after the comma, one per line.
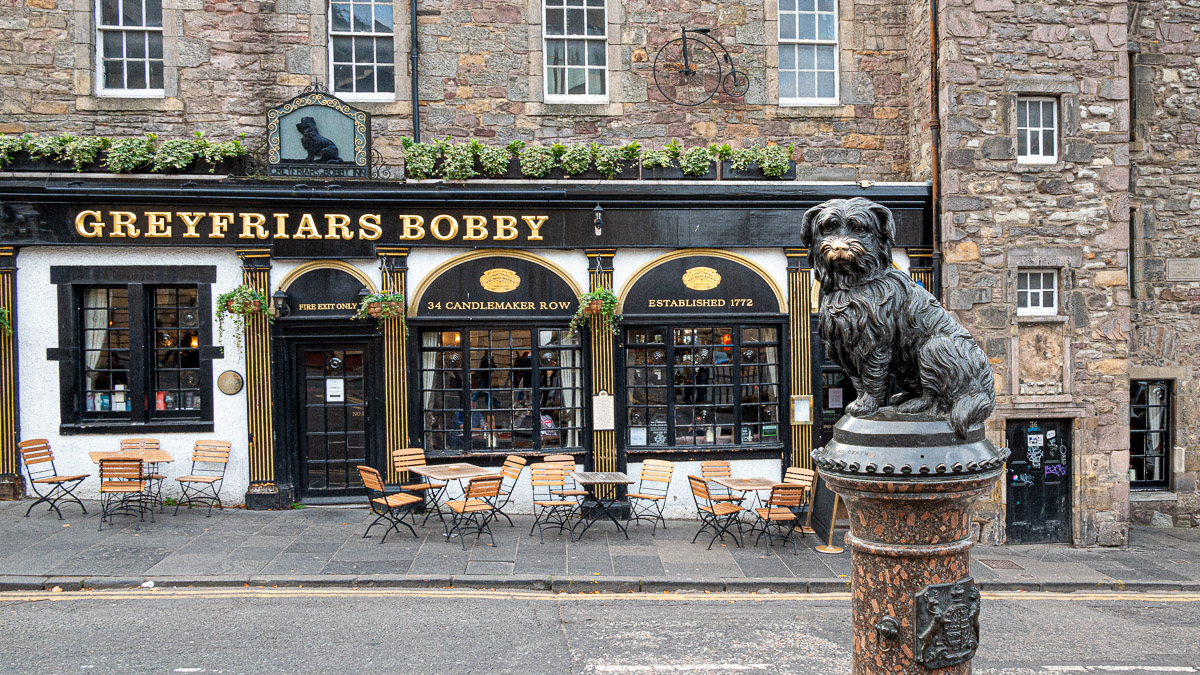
(229,382)
(701,278)
(500,280)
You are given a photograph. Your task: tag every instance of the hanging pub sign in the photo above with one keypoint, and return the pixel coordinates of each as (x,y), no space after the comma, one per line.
(693,284)
(496,286)
(318,135)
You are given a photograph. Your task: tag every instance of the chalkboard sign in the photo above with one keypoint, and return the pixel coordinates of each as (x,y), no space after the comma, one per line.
(822,509)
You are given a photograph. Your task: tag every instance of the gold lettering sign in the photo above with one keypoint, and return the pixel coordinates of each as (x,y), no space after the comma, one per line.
(701,279)
(500,280)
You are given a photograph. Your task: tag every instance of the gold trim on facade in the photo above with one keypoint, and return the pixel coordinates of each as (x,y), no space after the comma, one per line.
(9,430)
(691,252)
(604,443)
(290,278)
(800,355)
(393,262)
(256,273)
(457,260)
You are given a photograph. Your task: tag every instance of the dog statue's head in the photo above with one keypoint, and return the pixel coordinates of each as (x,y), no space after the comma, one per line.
(307,126)
(849,241)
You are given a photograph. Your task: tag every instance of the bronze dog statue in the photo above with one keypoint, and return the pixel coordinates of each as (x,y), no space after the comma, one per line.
(875,321)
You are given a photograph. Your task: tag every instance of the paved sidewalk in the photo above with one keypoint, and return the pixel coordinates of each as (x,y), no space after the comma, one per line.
(324,545)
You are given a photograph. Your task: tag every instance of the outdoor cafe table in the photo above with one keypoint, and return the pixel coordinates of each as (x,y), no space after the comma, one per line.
(745,485)
(150,461)
(592,481)
(444,473)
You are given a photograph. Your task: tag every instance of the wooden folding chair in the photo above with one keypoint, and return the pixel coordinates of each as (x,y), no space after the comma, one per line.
(719,469)
(476,510)
(390,508)
(566,464)
(404,459)
(650,498)
(780,514)
(511,473)
(715,515)
(44,480)
(203,484)
(808,479)
(154,477)
(122,482)
(549,508)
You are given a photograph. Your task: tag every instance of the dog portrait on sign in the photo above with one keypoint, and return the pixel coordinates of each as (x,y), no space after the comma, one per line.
(881,326)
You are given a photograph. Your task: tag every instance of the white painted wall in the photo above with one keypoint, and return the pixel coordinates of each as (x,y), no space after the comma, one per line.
(38,330)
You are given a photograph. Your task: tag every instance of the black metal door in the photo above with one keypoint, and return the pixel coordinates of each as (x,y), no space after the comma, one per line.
(333,433)
(1039,481)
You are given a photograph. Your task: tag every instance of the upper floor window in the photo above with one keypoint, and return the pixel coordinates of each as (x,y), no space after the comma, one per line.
(1037,293)
(1037,130)
(1150,434)
(362,50)
(808,46)
(575,51)
(129,46)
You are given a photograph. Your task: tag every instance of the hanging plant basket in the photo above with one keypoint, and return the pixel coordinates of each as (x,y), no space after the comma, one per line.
(381,307)
(239,305)
(596,305)
(594,308)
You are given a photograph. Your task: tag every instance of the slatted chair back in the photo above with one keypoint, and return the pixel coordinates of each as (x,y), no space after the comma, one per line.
(120,475)
(799,476)
(511,471)
(139,444)
(483,487)
(561,459)
(715,469)
(404,459)
(209,458)
(372,479)
(700,491)
(784,499)
(545,476)
(656,476)
(37,457)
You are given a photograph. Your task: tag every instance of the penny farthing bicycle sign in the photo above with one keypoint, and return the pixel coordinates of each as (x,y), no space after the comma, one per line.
(694,67)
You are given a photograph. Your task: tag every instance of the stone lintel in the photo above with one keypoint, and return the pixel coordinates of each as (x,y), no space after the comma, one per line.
(1042,84)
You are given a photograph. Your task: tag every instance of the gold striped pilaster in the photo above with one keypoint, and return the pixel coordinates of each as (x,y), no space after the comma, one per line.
(9,420)
(256,273)
(604,443)
(801,358)
(920,267)
(393,261)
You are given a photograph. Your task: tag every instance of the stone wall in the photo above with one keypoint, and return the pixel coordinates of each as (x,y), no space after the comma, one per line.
(1165,342)
(480,75)
(1000,216)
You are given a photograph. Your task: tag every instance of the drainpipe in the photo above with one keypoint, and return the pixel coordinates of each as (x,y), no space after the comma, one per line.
(414,56)
(935,130)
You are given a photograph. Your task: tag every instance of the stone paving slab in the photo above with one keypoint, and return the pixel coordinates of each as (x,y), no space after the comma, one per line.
(325,545)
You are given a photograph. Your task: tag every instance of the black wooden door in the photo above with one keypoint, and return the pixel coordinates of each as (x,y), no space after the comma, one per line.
(333,433)
(1039,481)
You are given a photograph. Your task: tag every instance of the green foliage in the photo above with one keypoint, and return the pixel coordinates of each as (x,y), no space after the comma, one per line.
(492,159)
(774,160)
(238,305)
(609,159)
(215,153)
(742,158)
(720,152)
(10,146)
(696,161)
(391,306)
(82,151)
(631,151)
(576,159)
(5,323)
(458,160)
(48,147)
(673,148)
(608,310)
(420,159)
(656,159)
(129,154)
(515,147)
(537,161)
(176,154)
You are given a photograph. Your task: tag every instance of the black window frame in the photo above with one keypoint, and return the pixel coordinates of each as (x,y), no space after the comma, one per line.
(1136,434)
(141,283)
(736,445)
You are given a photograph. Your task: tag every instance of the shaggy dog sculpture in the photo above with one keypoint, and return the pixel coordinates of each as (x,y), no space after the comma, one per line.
(319,148)
(875,321)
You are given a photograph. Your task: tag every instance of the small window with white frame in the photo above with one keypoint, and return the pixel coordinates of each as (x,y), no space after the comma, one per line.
(129,48)
(808,52)
(1037,293)
(362,61)
(575,51)
(1037,130)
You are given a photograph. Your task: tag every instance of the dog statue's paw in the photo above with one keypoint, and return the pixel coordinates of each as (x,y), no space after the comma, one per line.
(863,406)
(903,396)
(917,405)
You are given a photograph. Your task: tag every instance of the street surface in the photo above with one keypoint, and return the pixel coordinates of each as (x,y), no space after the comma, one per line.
(461,631)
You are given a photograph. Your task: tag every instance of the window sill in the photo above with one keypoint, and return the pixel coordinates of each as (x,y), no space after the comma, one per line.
(812,110)
(1041,318)
(548,108)
(122,103)
(1151,495)
(1030,167)
(190,426)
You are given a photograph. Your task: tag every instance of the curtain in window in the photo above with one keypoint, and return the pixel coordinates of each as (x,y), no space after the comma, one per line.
(95,324)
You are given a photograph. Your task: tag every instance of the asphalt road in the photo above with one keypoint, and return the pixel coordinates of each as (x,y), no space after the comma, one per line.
(458,631)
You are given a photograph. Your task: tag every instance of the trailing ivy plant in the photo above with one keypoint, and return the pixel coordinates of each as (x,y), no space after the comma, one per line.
(10,146)
(609,160)
(83,151)
(48,147)
(608,310)
(175,154)
(575,159)
(696,161)
(656,159)
(420,159)
(742,158)
(215,153)
(537,161)
(720,153)
(492,159)
(631,151)
(238,305)
(5,324)
(382,306)
(129,154)
(774,160)
(458,160)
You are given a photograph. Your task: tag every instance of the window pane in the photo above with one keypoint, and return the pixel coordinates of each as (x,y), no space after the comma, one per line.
(806,57)
(154,12)
(343,78)
(1035,115)
(1048,280)
(341,50)
(1022,299)
(154,45)
(135,45)
(806,28)
(825,27)
(1048,113)
(364,50)
(595,53)
(384,50)
(787,5)
(595,22)
(1048,142)
(556,81)
(825,85)
(575,22)
(806,5)
(1047,298)
(825,57)
(341,16)
(113,44)
(364,79)
(114,75)
(596,82)
(1022,114)
(156,74)
(806,84)
(1035,142)
(575,81)
(824,5)
(131,13)
(787,85)
(554,22)
(787,27)
(362,18)
(576,53)
(135,75)
(108,12)
(383,18)
(1022,143)
(556,53)
(386,78)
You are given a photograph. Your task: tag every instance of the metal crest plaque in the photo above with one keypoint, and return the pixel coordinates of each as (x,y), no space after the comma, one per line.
(947,623)
(318,135)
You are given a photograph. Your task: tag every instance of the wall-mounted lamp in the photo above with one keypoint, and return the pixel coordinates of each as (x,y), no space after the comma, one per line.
(279,302)
(598,219)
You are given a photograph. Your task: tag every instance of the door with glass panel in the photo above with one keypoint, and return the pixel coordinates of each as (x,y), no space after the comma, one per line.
(501,390)
(333,421)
